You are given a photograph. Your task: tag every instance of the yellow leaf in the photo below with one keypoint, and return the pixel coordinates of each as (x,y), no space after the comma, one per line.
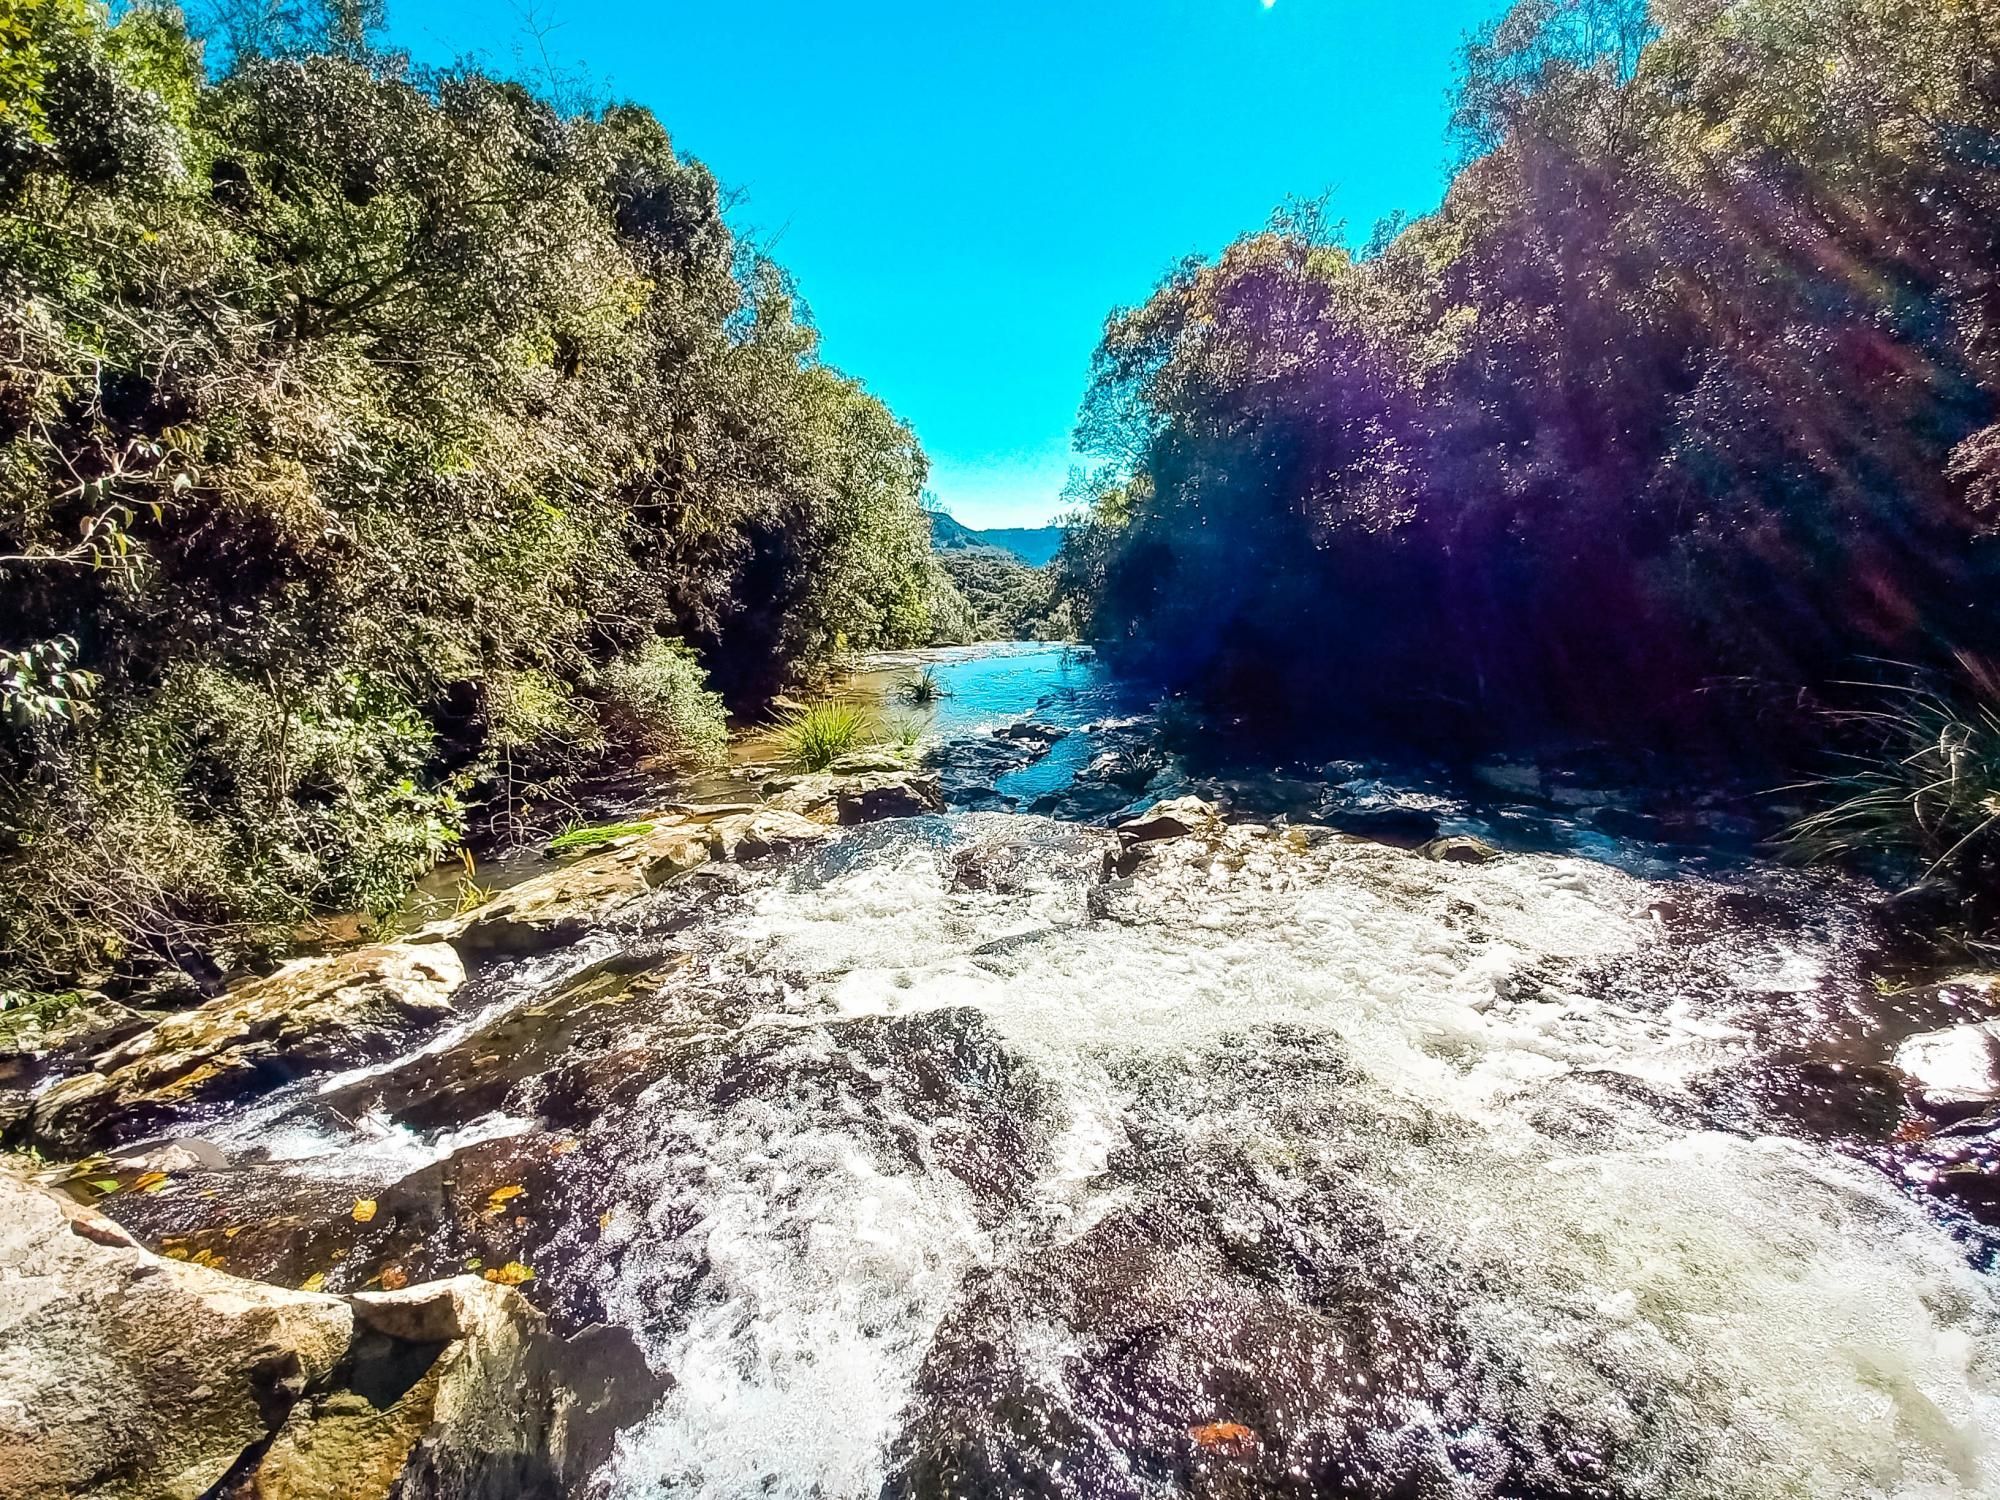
(511,1274)
(504,1195)
(313,1282)
(364,1210)
(149,1182)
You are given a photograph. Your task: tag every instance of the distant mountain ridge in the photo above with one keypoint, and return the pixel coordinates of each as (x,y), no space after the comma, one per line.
(1034,545)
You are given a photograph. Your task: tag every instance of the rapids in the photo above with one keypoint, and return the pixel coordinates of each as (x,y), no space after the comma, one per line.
(937,1163)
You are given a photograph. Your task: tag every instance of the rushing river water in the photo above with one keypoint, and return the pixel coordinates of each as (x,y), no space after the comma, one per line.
(933,1163)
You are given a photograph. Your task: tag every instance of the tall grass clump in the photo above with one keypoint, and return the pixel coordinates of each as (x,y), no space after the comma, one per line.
(820,733)
(923,690)
(1918,799)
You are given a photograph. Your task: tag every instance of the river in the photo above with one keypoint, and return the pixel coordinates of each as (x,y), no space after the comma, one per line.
(933,1163)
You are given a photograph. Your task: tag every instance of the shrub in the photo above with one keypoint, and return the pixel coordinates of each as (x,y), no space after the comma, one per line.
(268,645)
(661,699)
(820,733)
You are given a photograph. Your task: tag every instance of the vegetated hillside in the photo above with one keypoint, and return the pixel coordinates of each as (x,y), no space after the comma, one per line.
(376,444)
(1005,598)
(1681,407)
(1034,545)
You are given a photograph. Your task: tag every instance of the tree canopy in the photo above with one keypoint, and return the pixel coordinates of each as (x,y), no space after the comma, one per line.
(1681,405)
(372,439)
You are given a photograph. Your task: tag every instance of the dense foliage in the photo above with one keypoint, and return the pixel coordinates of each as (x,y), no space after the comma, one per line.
(1005,598)
(1680,406)
(375,443)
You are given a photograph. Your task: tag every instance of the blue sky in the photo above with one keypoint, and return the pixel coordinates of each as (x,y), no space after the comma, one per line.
(963,191)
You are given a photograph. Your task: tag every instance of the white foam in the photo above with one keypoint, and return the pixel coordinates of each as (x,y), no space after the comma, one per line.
(1760,1318)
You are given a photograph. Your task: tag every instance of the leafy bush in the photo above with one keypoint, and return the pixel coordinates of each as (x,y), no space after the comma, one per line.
(1649,404)
(821,732)
(333,480)
(663,695)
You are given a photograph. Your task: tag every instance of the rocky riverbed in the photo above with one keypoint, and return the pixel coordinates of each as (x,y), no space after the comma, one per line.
(1051,1118)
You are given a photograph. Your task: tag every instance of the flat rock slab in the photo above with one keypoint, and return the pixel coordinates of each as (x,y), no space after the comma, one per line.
(313,1014)
(564,904)
(863,797)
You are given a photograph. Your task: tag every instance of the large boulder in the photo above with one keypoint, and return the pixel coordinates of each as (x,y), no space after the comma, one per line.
(311,1015)
(126,1376)
(457,1390)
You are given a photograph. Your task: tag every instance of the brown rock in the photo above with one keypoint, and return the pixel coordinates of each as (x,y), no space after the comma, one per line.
(1172,819)
(864,797)
(766,831)
(1460,849)
(312,1014)
(125,1375)
(564,904)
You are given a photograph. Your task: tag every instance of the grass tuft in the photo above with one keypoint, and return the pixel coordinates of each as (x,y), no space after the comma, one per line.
(922,690)
(571,839)
(820,733)
(1919,799)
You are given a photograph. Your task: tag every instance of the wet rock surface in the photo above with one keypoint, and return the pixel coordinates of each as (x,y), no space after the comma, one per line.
(309,1016)
(126,1374)
(566,903)
(851,797)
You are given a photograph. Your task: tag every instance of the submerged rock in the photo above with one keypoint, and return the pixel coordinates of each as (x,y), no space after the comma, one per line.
(313,1014)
